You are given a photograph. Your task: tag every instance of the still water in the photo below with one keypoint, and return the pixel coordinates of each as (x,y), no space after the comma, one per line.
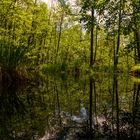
(101,106)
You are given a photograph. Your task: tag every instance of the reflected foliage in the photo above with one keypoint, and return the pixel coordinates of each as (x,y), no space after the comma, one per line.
(45,108)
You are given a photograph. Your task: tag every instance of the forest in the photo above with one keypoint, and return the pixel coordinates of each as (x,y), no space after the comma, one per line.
(69,69)
(68,37)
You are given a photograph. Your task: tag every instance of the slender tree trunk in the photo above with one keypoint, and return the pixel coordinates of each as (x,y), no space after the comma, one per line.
(115,92)
(114,51)
(91,103)
(96,44)
(136,17)
(58,104)
(95,107)
(113,100)
(135,55)
(60,31)
(91,37)
(31,38)
(118,36)
(137,40)
(133,109)
(117,107)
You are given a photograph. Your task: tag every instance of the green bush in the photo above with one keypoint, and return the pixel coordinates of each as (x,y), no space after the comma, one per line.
(11,56)
(12,62)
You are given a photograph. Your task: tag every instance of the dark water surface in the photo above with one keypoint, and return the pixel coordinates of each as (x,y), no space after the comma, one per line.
(97,107)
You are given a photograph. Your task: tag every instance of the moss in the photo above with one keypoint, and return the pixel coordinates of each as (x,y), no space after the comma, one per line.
(136,68)
(135,79)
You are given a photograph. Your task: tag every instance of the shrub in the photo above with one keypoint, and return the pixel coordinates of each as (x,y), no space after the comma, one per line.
(11,58)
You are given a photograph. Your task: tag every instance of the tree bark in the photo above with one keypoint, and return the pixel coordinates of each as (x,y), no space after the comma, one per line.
(96,45)
(118,36)
(91,39)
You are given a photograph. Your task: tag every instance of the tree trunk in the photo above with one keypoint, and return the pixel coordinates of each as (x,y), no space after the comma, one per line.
(137,40)
(31,38)
(96,44)
(118,37)
(60,31)
(90,104)
(136,31)
(91,39)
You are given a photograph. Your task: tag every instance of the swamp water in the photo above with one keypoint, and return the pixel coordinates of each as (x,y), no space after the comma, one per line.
(99,107)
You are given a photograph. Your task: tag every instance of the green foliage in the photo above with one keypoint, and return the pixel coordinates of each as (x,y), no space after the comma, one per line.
(57,68)
(135,79)
(52,37)
(135,68)
(11,56)
(51,41)
(24,31)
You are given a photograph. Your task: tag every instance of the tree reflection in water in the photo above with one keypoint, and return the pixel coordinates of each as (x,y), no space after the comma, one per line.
(11,106)
(44,109)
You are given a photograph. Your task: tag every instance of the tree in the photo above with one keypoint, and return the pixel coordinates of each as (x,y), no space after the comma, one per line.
(89,20)
(136,26)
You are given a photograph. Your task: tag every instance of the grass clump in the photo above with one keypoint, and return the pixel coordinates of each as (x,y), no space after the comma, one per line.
(12,62)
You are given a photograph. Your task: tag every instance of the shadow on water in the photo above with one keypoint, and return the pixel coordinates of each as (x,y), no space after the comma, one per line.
(10,105)
(20,110)
(99,107)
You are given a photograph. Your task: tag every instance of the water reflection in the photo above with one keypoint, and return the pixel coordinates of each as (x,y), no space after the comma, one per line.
(11,107)
(135,111)
(82,117)
(99,107)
